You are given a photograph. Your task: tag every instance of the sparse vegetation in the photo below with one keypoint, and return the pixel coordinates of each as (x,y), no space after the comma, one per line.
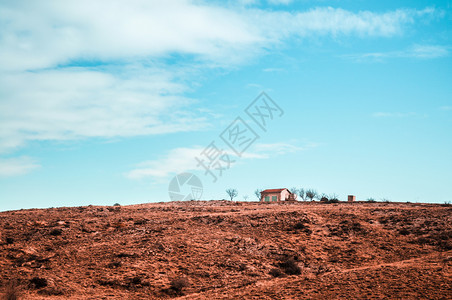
(257,193)
(280,241)
(311,194)
(371,200)
(329,199)
(290,266)
(178,284)
(334,198)
(116,204)
(38,282)
(275,272)
(232,193)
(56,232)
(302,194)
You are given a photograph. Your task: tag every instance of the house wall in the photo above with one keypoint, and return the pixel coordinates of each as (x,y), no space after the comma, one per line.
(278,196)
(285,194)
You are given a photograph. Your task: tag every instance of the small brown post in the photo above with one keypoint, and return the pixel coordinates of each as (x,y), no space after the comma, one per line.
(351,198)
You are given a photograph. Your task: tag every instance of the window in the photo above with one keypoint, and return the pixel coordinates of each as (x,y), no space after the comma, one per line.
(267,198)
(274,198)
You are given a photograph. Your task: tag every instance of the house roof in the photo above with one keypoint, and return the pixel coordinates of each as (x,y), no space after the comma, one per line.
(274,190)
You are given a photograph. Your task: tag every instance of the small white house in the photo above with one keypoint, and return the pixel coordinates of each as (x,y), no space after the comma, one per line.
(277,195)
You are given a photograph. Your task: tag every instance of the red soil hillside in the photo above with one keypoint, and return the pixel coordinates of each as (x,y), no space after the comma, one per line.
(222,249)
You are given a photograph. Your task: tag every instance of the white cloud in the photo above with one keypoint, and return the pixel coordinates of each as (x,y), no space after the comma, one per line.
(336,21)
(416,51)
(427,51)
(17,166)
(394,114)
(176,161)
(280,148)
(134,92)
(280,2)
(181,160)
(78,103)
(446,107)
(273,70)
(47,33)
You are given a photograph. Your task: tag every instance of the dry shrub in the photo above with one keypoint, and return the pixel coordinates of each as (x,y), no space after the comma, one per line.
(290,267)
(275,272)
(56,232)
(178,284)
(38,282)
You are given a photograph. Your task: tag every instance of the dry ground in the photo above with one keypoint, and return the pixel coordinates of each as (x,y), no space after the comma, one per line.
(223,249)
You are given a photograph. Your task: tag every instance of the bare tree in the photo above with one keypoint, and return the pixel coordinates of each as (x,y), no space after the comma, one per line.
(257,193)
(232,193)
(293,190)
(245,197)
(311,194)
(302,194)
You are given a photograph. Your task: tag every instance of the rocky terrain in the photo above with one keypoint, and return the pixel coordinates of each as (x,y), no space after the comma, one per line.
(224,249)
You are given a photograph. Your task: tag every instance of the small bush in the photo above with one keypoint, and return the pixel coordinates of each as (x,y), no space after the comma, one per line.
(178,284)
(140,222)
(38,282)
(116,204)
(135,280)
(114,264)
(290,267)
(371,200)
(302,227)
(404,231)
(275,272)
(56,232)
(299,225)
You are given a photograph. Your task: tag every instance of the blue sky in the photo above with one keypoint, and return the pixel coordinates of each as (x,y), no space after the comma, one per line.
(106,102)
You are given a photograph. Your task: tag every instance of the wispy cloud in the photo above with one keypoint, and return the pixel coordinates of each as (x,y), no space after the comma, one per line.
(273,70)
(175,161)
(280,2)
(416,51)
(427,51)
(78,103)
(274,149)
(17,166)
(182,159)
(446,107)
(68,72)
(394,114)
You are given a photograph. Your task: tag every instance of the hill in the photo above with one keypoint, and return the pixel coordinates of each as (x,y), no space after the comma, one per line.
(223,249)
